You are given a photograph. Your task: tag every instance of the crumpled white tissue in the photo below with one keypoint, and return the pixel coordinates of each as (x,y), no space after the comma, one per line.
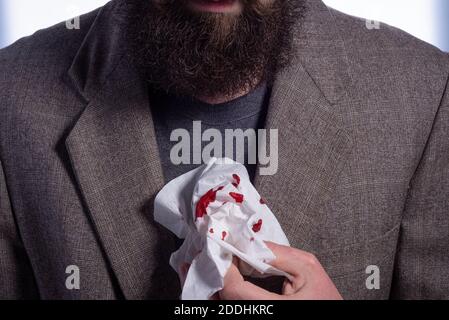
(219,213)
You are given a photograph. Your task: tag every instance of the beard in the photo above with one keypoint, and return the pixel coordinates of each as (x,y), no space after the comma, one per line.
(202,54)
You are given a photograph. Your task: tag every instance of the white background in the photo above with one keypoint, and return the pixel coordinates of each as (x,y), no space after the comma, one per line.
(421,18)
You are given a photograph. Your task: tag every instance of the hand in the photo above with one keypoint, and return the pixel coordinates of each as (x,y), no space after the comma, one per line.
(310,281)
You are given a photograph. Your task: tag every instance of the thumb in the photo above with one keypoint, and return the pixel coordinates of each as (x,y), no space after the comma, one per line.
(291,261)
(287,259)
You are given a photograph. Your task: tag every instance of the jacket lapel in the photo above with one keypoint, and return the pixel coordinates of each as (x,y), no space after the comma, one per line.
(313,142)
(114,155)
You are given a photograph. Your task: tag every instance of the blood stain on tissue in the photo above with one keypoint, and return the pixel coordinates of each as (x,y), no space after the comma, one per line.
(238,197)
(262,201)
(205,201)
(211,230)
(257,226)
(223,235)
(236,180)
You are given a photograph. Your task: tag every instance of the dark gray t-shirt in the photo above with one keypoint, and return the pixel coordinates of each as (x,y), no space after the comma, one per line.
(173,112)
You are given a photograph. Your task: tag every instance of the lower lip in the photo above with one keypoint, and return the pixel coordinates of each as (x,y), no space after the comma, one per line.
(218,6)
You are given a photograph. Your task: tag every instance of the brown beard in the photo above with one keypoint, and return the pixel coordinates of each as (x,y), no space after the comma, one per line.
(210,54)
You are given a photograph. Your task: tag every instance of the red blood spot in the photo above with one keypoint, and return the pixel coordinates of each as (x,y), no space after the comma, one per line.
(211,230)
(262,201)
(238,197)
(251,239)
(257,226)
(223,235)
(203,203)
(236,180)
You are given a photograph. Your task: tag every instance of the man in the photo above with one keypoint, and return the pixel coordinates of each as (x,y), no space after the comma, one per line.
(362,117)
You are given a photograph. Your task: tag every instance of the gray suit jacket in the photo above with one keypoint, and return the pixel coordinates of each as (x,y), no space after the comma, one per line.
(363,119)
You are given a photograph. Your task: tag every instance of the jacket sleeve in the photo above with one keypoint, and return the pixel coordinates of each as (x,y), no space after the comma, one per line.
(16,276)
(422,261)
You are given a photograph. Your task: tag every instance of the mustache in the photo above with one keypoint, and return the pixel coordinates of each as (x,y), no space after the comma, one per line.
(258,7)
(219,29)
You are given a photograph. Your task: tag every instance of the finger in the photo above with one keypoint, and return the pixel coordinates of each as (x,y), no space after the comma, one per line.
(236,288)
(287,287)
(290,288)
(233,275)
(183,270)
(287,259)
